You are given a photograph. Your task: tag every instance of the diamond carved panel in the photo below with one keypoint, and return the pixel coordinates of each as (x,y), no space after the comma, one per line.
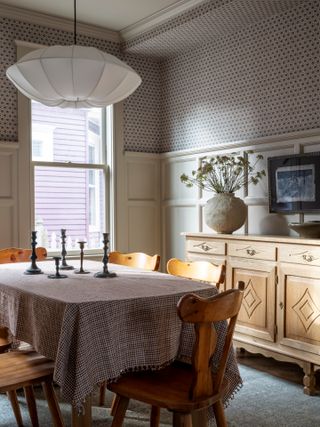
(251,299)
(306,310)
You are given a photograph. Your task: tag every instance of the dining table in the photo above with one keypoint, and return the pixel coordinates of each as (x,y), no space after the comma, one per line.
(97,329)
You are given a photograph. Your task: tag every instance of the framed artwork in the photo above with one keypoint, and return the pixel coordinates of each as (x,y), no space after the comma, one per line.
(294,183)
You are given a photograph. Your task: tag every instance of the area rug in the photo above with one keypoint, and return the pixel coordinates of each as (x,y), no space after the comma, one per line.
(265,400)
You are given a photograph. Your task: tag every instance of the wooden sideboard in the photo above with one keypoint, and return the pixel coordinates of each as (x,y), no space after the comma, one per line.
(280,314)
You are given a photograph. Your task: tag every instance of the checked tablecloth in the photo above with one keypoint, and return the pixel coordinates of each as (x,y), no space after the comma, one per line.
(97,329)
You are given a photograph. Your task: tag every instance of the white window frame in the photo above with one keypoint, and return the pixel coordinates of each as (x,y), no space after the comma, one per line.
(26,220)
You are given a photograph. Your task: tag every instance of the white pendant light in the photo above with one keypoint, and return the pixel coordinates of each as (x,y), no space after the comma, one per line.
(73,76)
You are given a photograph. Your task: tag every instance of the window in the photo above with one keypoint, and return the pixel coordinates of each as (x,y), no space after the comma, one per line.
(69,173)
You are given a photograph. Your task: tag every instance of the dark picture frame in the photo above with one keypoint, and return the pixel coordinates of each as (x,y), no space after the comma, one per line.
(294,183)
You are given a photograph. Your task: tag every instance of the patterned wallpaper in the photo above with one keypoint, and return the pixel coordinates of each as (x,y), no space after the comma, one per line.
(262,80)
(142,118)
(142,107)
(255,80)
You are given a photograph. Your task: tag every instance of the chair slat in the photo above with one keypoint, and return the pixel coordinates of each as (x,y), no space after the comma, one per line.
(136,260)
(197,270)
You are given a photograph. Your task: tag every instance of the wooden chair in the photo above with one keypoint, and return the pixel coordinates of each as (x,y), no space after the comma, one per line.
(23,369)
(136,260)
(182,388)
(7,256)
(20,255)
(10,255)
(197,270)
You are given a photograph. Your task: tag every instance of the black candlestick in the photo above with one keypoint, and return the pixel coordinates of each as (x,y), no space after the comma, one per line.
(105,273)
(57,275)
(64,265)
(33,269)
(81,270)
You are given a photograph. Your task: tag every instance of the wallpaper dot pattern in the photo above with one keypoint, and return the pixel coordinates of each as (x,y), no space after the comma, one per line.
(248,81)
(260,81)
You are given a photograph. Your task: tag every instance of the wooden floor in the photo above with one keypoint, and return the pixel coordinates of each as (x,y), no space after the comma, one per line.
(287,371)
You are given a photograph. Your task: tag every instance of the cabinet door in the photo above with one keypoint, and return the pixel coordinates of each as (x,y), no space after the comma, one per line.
(299,307)
(257,314)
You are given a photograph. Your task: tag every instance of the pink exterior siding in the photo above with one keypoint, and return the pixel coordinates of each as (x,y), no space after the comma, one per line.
(61,195)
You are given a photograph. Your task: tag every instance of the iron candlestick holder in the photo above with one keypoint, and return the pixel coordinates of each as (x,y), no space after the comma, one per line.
(81,270)
(33,269)
(64,265)
(105,273)
(57,275)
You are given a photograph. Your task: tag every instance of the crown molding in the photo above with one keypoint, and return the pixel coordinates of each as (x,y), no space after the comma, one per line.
(158,18)
(62,24)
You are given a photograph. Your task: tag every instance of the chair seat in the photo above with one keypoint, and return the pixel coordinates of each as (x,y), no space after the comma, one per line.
(22,368)
(167,388)
(4,344)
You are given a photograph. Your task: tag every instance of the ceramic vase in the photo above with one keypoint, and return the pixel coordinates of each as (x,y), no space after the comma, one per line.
(225,213)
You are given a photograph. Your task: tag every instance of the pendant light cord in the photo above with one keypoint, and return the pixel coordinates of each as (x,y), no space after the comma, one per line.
(75,22)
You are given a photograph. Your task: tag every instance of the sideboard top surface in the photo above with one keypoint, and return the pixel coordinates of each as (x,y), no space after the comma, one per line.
(255,237)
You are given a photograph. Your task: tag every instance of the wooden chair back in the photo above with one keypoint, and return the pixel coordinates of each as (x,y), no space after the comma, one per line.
(20,255)
(7,256)
(5,342)
(136,260)
(197,270)
(202,313)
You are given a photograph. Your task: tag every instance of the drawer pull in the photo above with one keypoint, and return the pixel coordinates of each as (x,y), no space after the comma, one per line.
(203,246)
(308,257)
(251,252)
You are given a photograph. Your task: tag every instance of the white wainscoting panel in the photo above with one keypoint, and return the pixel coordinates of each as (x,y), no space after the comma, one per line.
(182,207)
(142,180)
(7,226)
(8,195)
(173,188)
(176,220)
(141,228)
(6,174)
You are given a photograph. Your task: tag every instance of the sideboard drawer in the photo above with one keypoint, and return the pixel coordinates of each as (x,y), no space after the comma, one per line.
(300,254)
(252,250)
(206,247)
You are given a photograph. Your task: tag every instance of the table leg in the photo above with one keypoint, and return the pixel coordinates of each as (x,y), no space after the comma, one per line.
(85,419)
(200,418)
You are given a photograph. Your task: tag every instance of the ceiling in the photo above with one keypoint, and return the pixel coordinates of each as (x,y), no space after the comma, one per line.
(112,14)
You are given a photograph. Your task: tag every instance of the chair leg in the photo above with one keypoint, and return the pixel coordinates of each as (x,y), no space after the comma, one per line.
(102,394)
(120,412)
(53,404)
(200,418)
(219,414)
(181,420)
(155,416)
(12,396)
(114,405)
(31,403)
